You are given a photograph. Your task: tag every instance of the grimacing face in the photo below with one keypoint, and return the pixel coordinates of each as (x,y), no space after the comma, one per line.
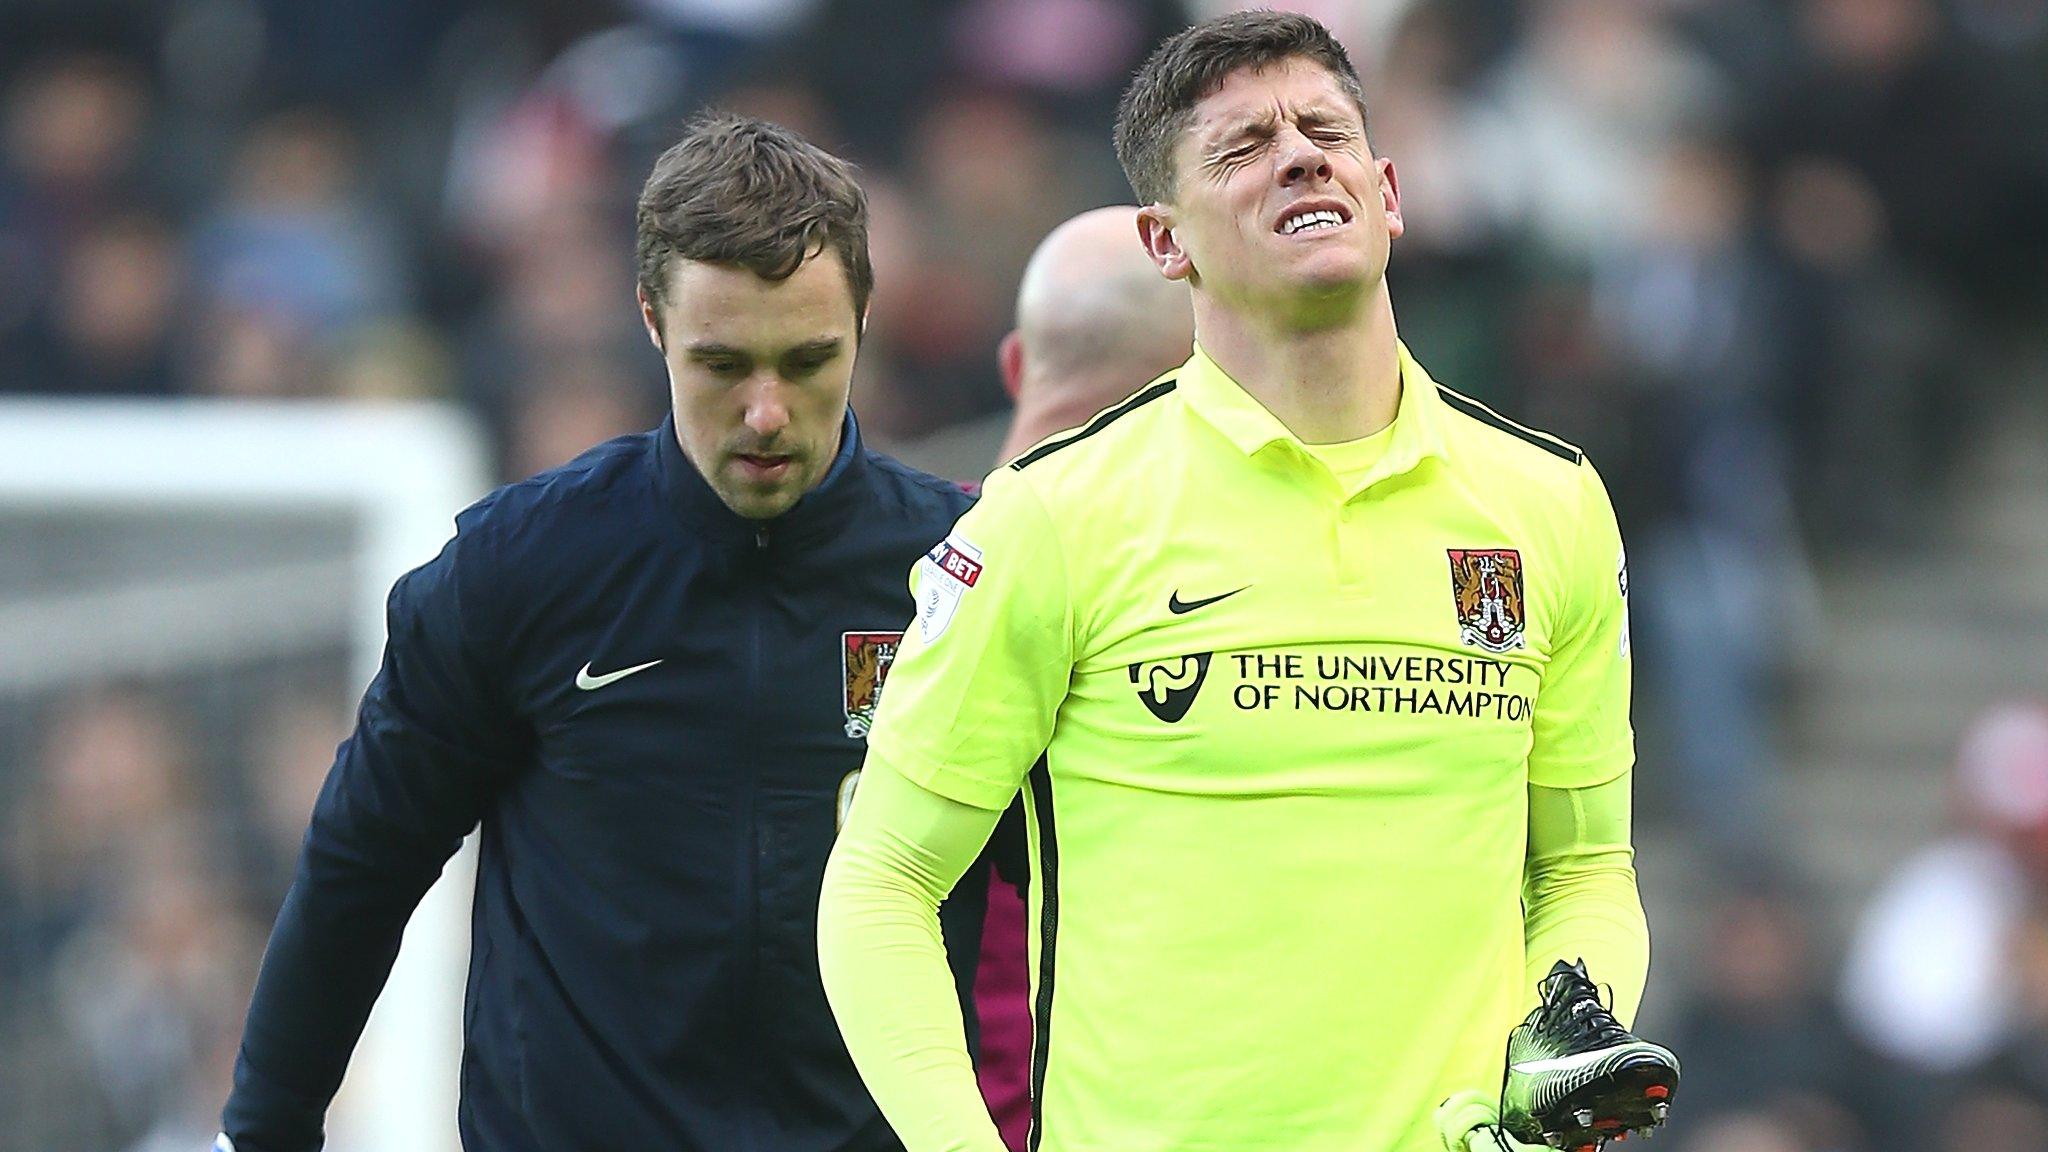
(1278,203)
(758,372)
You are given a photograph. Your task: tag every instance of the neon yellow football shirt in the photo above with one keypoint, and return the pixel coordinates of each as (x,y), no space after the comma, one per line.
(1276,733)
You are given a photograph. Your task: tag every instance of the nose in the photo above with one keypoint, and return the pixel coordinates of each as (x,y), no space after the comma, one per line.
(1301,159)
(767,411)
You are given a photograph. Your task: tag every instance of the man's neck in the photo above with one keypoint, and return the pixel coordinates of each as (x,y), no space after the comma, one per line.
(1326,385)
(1042,411)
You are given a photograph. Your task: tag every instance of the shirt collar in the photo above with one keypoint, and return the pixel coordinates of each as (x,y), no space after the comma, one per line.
(1225,405)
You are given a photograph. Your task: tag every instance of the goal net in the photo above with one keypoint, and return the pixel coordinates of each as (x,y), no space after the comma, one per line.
(191,601)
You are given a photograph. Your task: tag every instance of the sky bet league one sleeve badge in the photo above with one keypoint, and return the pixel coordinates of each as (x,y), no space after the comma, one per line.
(947,572)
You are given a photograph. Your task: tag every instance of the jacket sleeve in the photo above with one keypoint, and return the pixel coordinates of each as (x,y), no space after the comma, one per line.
(432,741)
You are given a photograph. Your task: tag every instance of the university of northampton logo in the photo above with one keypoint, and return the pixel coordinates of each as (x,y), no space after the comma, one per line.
(1486,586)
(1168,688)
(865,657)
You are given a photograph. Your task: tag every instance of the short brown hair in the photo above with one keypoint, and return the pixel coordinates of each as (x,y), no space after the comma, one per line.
(754,195)
(1193,63)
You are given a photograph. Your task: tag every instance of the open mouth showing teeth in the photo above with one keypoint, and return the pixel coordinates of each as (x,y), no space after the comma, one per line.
(1311,221)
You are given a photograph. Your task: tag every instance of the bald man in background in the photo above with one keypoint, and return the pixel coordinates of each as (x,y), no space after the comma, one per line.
(1090,311)
(1093,315)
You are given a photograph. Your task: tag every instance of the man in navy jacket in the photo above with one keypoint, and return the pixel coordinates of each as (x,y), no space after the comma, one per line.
(648,675)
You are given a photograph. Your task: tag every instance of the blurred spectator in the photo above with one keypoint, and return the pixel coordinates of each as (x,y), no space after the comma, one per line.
(399,360)
(114,770)
(1595,95)
(1454,261)
(1903,151)
(114,763)
(1698,320)
(255,353)
(1445,141)
(294,741)
(574,403)
(107,327)
(966,153)
(1991,1119)
(510,171)
(1053,45)
(2021,1064)
(1930,978)
(72,125)
(873,61)
(1872,339)
(926,314)
(1742,1132)
(976,224)
(152,992)
(562,314)
(297,248)
(2016,26)
(1750,41)
(784,100)
(359,54)
(1760,1028)
(1071,56)
(1880,89)
(69,134)
(1790,1123)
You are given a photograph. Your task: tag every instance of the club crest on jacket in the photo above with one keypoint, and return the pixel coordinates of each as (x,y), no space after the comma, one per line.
(865,658)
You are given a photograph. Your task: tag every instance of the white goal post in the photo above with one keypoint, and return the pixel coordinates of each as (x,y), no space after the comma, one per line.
(398,472)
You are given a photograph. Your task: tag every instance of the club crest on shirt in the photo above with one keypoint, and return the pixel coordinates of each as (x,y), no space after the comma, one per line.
(1486,587)
(865,658)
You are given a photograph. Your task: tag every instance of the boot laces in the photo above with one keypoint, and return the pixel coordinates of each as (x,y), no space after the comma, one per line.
(1577,1012)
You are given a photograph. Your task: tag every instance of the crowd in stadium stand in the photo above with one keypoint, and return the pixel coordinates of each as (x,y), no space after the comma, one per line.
(1770,261)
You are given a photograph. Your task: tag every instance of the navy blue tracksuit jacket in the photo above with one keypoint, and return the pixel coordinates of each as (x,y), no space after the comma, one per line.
(652,706)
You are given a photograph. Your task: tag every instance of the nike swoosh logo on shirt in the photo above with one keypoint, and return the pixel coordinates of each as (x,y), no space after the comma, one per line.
(1563,1063)
(589,683)
(1178,606)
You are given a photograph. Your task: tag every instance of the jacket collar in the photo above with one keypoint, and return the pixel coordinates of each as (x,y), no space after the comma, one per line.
(818,513)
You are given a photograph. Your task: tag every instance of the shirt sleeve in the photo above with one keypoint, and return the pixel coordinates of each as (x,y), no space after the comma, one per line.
(1582,735)
(883,962)
(431,744)
(1579,891)
(977,685)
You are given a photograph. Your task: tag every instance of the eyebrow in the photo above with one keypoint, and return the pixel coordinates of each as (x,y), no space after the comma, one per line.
(1263,125)
(816,346)
(822,346)
(1258,127)
(1323,116)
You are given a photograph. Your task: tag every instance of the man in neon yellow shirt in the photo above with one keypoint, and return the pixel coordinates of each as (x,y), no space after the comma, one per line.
(1315,675)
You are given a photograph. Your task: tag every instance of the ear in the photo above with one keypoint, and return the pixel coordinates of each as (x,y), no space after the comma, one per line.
(650,319)
(1010,358)
(1390,198)
(1155,232)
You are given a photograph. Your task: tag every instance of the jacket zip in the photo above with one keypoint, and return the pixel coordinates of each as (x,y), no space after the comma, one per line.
(749,766)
